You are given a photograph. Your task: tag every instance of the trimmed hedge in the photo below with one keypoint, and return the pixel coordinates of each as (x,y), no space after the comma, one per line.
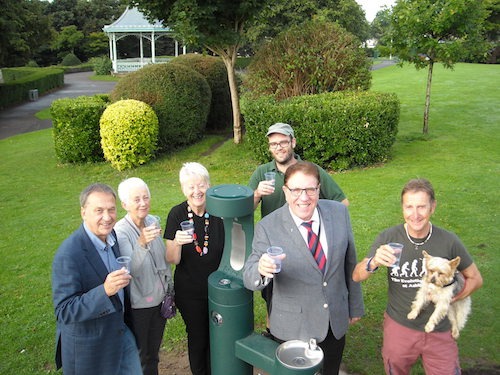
(75,130)
(19,81)
(214,71)
(337,131)
(179,95)
(129,133)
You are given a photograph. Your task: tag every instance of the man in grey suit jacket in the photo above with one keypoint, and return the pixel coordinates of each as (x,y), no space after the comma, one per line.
(90,302)
(308,301)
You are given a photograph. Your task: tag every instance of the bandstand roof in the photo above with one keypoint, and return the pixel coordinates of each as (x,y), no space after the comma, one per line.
(133,21)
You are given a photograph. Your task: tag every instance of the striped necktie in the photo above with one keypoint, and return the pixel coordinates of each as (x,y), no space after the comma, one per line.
(315,246)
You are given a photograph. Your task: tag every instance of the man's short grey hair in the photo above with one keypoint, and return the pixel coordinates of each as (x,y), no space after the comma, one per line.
(127,185)
(95,188)
(193,169)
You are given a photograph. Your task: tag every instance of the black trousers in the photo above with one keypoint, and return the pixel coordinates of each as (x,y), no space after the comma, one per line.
(332,350)
(148,326)
(194,312)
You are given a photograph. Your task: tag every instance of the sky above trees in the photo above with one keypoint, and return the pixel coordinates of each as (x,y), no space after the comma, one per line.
(371,7)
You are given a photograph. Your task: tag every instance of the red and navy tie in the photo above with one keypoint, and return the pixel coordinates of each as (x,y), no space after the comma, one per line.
(315,246)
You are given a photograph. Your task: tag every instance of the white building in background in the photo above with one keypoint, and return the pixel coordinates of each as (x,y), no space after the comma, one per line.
(133,22)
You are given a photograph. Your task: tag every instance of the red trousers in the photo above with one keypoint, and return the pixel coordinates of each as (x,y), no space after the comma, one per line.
(403,346)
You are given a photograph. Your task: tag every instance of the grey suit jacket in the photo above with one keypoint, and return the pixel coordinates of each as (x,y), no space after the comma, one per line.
(90,325)
(305,302)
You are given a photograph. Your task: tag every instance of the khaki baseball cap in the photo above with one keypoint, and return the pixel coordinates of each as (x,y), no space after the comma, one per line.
(280,128)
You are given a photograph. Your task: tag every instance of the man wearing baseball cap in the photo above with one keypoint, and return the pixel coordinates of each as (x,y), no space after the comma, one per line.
(269,193)
(282,142)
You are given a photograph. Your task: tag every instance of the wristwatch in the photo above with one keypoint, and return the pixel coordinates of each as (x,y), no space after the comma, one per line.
(368,266)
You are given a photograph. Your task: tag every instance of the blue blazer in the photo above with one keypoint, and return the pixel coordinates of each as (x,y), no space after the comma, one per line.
(90,325)
(305,302)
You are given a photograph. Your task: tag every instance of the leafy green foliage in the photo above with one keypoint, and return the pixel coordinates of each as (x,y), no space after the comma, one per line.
(335,130)
(312,58)
(429,31)
(179,96)
(283,14)
(102,65)
(70,60)
(76,129)
(23,29)
(214,71)
(129,132)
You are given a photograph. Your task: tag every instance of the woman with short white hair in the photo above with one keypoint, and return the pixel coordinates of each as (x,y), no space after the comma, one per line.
(139,236)
(196,256)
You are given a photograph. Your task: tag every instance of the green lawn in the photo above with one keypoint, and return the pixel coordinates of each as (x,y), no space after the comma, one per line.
(460,156)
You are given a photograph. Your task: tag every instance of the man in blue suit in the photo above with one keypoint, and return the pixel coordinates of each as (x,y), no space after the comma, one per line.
(314,295)
(91,303)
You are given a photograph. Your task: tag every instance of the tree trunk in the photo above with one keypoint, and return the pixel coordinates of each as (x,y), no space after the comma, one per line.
(229,61)
(428,98)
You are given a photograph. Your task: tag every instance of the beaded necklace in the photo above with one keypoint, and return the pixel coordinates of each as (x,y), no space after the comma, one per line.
(195,237)
(417,244)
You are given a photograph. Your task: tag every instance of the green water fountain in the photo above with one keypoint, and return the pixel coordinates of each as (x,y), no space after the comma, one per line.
(235,348)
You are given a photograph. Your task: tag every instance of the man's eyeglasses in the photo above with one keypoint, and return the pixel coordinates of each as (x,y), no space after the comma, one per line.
(310,191)
(282,144)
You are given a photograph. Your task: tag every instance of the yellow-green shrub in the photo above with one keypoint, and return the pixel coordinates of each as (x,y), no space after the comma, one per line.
(179,95)
(129,133)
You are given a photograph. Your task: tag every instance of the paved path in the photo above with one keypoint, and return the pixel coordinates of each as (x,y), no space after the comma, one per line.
(21,118)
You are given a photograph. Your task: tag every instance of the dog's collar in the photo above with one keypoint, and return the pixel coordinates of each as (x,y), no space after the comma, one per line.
(451,282)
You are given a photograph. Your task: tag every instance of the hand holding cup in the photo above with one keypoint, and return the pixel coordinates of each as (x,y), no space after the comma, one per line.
(270,262)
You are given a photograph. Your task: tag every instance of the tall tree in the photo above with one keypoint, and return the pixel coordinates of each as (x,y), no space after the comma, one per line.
(217,25)
(283,14)
(428,31)
(23,27)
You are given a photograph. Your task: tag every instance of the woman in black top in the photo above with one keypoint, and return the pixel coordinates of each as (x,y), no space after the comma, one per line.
(196,257)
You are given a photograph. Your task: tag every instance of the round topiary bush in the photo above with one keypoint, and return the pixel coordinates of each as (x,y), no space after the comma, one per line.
(129,133)
(311,58)
(70,60)
(75,128)
(179,96)
(214,71)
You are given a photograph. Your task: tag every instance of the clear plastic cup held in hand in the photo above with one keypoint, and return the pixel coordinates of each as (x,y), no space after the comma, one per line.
(188,227)
(157,221)
(270,176)
(274,252)
(124,262)
(398,249)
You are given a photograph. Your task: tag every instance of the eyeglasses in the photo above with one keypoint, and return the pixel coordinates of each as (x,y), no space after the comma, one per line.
(310,191)
(282,144)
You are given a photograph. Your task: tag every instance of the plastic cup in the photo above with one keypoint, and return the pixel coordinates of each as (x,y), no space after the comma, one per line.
(274,252)
(188,227)
(398,249)
(157,221)
(124,262)
(270,176)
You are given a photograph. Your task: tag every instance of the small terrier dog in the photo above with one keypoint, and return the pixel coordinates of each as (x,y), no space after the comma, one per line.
(440,284)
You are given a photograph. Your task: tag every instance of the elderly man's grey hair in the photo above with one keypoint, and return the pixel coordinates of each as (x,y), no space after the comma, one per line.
(95,188)
(127,185)
(193,169)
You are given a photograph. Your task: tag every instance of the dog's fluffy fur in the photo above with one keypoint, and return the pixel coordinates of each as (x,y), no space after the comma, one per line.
(440,284)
